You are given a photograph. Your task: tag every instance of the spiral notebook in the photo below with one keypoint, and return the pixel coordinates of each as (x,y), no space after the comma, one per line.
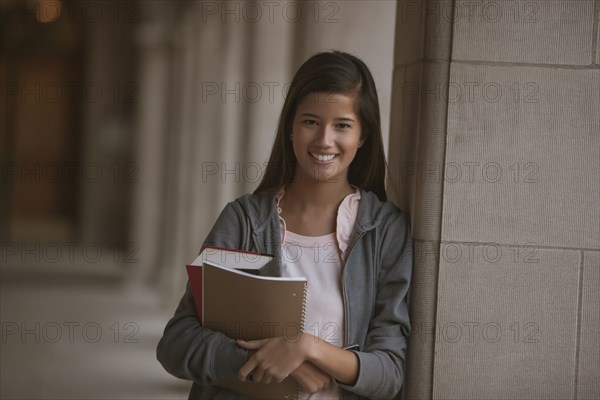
(246,306)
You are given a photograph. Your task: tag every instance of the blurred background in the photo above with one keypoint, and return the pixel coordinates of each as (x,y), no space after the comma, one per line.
(126,126)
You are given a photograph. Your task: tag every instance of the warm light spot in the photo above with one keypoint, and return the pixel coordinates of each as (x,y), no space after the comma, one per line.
(48,10)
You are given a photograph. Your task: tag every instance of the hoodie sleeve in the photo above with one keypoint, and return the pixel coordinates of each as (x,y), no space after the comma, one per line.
(188,350)
(381,361)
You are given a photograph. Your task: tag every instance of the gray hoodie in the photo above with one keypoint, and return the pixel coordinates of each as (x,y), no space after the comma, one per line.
(376,278)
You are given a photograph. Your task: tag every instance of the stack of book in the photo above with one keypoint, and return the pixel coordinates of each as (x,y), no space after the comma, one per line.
(233,297)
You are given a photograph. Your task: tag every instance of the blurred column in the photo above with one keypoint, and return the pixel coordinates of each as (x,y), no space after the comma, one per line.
(179,176)
(270,73)
(193,173)
(107,123)
(152,134)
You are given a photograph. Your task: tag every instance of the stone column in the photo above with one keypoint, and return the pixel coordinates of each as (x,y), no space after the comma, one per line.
(417,152)
(502,182)
(151,136)
(111,96)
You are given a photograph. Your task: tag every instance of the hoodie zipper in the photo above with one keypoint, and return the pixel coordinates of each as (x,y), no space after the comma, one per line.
(344,298)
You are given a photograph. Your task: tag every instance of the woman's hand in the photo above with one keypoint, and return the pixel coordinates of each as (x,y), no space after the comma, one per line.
(311,378)
(275,359)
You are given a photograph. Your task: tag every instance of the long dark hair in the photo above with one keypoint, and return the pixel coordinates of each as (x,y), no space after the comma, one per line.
(340,73)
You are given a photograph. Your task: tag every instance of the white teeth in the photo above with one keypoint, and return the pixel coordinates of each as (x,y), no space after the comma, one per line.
(321,157)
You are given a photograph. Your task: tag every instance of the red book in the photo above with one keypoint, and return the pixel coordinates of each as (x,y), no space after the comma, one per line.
(246,261)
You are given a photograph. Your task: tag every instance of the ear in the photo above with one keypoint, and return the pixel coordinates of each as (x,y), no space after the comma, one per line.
(361,142)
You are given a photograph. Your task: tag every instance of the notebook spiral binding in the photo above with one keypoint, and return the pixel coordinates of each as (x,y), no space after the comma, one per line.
(298,392)
(304,301)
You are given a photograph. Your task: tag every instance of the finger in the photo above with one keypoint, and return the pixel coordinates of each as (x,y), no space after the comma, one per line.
(267,379)
(258,375)
(246,369)
(251,345)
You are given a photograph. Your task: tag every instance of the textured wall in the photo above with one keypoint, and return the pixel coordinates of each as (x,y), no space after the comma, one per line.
(513,294)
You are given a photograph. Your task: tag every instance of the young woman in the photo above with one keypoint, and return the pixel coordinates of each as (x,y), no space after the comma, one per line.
(322,211)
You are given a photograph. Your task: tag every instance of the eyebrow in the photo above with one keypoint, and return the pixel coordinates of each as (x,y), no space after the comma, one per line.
(337,119)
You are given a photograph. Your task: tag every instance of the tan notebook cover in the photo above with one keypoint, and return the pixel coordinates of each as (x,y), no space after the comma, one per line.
(250,307)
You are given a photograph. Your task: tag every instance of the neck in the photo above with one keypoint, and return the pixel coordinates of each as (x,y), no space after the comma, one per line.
(321,195)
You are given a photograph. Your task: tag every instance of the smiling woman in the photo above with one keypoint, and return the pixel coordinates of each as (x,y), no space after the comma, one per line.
(323,195)
(326,136)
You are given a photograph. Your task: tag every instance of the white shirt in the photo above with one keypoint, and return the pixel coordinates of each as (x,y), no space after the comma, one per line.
(320,260)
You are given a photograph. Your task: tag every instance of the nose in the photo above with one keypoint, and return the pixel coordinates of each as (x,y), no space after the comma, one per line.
(325,136)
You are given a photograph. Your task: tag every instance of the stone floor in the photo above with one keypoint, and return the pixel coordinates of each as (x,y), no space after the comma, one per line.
(74,337)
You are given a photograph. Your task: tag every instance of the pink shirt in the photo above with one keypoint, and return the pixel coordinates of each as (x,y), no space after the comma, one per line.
(320,259)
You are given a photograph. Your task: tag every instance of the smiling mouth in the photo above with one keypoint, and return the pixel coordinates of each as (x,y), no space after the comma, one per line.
(323,157)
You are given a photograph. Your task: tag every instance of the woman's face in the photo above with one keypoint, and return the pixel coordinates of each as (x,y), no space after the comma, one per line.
(326,136)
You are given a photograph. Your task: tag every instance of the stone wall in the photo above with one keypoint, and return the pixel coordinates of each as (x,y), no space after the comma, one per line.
(497,132)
